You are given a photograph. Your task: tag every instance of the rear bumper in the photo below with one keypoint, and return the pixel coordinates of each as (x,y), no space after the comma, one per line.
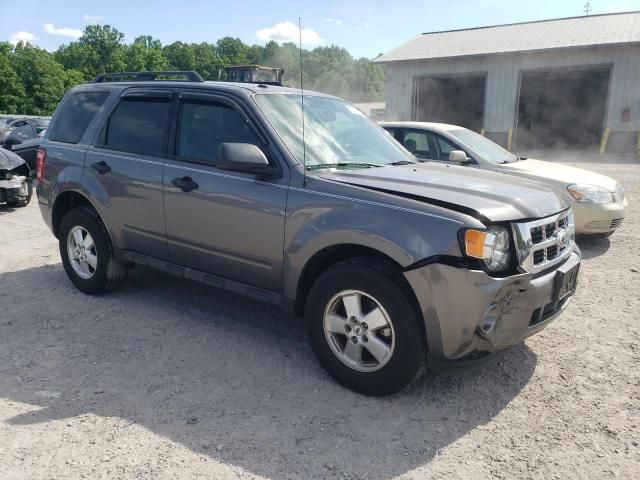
(467,311)
(599,218)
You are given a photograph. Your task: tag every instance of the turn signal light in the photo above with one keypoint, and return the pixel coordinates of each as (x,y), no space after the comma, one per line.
(474,242)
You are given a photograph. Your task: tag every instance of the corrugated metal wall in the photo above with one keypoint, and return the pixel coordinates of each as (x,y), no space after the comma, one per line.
(503,80)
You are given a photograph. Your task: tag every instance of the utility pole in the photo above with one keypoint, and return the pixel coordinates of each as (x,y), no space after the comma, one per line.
(587,8)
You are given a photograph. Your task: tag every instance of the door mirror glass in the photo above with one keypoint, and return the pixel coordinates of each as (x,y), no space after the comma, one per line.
(458,156)
(242,157)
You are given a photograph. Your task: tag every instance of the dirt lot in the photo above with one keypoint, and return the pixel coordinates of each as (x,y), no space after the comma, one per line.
(170,379)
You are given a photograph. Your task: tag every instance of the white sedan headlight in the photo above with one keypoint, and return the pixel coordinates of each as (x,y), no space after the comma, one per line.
(590,193)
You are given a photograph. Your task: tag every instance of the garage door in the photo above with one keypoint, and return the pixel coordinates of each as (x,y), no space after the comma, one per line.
(457,99)
(562,109)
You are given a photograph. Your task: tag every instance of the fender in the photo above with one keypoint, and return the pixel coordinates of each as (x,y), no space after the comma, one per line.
(317,220)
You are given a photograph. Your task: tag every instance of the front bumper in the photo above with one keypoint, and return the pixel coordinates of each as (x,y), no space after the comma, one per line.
(468,311)
(13,190)
(599,218)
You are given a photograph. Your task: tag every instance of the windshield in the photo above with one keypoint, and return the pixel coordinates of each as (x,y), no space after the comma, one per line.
(492,152)
(336,133)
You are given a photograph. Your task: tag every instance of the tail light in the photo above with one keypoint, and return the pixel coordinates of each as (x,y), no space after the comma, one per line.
(41,160)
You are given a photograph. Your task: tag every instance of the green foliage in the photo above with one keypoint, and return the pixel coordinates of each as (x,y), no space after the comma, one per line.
(32,80)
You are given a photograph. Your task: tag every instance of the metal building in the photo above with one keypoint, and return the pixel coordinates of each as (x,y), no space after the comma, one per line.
(570,83)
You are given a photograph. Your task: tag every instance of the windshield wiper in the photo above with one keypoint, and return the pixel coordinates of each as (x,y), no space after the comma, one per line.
(402,162)
(342,164)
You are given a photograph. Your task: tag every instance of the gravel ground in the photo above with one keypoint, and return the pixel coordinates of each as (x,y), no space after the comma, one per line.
(171,379)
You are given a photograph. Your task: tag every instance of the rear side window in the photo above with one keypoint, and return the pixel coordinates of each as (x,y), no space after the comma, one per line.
(75,115)
(138,126)
(204,126)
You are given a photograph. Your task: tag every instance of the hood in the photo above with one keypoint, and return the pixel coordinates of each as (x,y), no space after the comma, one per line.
(558,173)
(9,160)
(491,196)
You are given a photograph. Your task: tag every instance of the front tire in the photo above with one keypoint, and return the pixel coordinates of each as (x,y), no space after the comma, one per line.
(87,254)
(364,328)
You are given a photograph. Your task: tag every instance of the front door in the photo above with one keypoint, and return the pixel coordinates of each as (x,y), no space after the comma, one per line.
(227,223)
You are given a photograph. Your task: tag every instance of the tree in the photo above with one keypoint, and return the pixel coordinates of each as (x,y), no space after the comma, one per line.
(103,49)
(43,79)
(145,54)
(180,56)
(32,80)
(12,92)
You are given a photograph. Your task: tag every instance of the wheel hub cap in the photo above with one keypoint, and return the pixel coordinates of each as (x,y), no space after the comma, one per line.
(359,330)
(82,252)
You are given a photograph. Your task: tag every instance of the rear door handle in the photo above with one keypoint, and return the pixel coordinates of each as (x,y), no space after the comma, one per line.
(101,167)
(186,184)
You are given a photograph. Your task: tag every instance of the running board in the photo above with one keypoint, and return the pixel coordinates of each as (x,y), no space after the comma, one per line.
(251,291)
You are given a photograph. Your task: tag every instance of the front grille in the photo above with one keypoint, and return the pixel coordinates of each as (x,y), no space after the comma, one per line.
(545,242)
(616,222)
(538,257)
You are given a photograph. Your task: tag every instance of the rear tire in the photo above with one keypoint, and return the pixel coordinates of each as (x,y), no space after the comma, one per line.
(87,253)
(364,328)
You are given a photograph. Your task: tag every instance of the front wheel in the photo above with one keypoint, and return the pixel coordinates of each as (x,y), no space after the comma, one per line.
(87,253)
(364,328)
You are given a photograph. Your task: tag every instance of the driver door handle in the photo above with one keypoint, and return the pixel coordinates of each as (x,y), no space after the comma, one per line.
(101,167)
(186,184)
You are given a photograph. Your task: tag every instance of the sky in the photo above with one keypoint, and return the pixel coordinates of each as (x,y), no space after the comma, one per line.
(364,28)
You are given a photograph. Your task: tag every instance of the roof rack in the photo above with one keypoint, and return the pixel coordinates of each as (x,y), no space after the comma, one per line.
(190,76)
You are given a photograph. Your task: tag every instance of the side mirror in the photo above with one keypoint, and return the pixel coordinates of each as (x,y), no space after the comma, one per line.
(242,157)
(458,156)
(12,141)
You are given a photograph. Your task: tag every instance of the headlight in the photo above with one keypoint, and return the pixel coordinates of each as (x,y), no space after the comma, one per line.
(590,193)
(491,246)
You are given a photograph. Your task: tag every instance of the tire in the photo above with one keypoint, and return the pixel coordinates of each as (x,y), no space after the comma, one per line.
(23,202)
(378,289)
(95,275)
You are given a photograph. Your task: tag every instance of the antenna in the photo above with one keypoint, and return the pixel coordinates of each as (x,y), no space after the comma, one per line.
(304,146)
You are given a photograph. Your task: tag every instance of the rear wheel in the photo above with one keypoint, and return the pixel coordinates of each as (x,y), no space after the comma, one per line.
(87,253)
(364,329)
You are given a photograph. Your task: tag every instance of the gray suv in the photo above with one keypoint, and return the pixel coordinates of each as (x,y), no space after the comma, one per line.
(395,265)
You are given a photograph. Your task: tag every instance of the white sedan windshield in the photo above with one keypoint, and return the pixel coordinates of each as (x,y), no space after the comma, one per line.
(335,132)
(492,152)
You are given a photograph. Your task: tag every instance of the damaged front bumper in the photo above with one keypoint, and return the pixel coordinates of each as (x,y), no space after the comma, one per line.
(13,188)
(468,312)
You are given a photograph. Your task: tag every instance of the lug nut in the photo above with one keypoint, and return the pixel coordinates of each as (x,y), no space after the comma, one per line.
(353,320)
(365,326)
(365,339)
(354,340)
(347,328)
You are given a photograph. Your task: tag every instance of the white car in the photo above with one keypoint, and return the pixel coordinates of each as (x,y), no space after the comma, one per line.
(599,205)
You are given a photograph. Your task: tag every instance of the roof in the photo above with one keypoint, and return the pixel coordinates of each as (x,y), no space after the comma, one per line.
(585,31)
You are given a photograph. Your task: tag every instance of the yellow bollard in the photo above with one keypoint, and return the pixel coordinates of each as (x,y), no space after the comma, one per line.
(638,144)
(510,139)
(482,133)
(605,139)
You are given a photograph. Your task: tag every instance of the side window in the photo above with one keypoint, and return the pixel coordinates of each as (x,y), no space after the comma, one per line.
(204,126)
(138,126)
(445,147)
(19,130)
(75,115)
(417,143)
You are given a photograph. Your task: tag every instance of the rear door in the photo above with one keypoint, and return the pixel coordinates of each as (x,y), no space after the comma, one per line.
(126,166)
(223,222)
